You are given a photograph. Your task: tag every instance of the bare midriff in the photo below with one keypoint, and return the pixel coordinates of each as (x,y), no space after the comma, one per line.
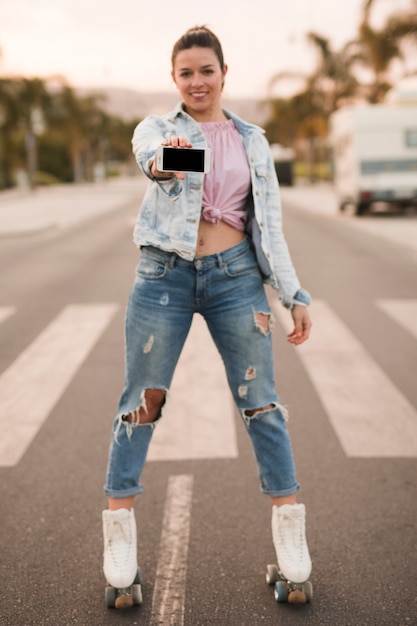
(216,238)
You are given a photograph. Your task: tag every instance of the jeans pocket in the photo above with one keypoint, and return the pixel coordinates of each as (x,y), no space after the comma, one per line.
(151,268)
(241,265)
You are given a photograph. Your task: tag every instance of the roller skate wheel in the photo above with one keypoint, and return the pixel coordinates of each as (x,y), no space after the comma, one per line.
(308,590)
(272,574)
(110,597)
(281,591)
(137,594)
(138,577)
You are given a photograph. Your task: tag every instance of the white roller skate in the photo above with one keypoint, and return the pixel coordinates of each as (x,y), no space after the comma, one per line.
(294,564)
(120,559)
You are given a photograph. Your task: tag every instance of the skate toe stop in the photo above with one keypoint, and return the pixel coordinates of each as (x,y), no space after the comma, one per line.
(297,597)
(123,602)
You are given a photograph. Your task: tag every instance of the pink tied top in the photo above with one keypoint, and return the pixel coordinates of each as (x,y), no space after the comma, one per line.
(227,185)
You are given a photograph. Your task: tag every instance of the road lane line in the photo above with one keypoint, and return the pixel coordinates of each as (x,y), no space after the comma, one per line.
(32,385)
(5,312)
(403,312)
(370,416)
(198,420)
(169,591)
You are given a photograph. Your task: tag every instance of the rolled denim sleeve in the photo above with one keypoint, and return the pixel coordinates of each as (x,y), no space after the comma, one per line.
(301,297)
(147,137)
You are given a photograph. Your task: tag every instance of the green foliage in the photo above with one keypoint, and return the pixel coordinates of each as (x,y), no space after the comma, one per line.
(53,159)
(45,127)
(45,179)
(320,171)
(338,79)
(54,135)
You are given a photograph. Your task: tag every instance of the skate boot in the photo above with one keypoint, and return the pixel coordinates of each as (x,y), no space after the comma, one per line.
(294,563)
(120,559)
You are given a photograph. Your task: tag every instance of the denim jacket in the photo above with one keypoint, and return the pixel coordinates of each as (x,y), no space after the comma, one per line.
(170,212)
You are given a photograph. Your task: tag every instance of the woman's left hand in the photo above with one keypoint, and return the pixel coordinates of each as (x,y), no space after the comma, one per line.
(302,325)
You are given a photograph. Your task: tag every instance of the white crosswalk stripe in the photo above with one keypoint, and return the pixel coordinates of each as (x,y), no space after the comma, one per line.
(198,419)
(404,312)
(32,385)
(369,414)
(5,312)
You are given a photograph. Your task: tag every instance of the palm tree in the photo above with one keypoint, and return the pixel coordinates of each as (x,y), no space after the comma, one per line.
(81,121)
(334,79)
(22,102)
(33,100)
(9,124)
(333,82)
(380,48)
(303,118)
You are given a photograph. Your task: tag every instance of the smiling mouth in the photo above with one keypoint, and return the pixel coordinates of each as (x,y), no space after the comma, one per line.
(198,94)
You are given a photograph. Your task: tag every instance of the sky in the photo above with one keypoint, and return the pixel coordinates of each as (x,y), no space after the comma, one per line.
(127,43)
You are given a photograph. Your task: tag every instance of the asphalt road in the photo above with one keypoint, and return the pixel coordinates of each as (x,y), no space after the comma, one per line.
(361,505)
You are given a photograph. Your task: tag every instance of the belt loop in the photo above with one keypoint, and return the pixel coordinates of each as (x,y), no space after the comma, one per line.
(172,260)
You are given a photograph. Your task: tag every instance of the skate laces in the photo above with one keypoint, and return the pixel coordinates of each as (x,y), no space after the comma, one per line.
(292,523)
(291,527)
(118,533)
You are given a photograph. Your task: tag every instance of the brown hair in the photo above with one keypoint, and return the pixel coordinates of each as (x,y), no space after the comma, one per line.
(200,37)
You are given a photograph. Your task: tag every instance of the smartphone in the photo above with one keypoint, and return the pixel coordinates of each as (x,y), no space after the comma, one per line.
(170,159)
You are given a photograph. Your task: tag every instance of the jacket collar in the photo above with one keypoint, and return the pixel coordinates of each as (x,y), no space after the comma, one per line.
(244,128)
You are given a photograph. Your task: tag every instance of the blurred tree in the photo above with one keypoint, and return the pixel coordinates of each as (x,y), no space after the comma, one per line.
(381,48)
(333,81)
(9,124)
(50,132)
(22,103)
(336,79)
(90,134)
(302,120)
(119,139)
(70,118)
(34,99)
(331,84)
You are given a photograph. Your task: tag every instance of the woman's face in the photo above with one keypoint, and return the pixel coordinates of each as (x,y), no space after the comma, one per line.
(199,79)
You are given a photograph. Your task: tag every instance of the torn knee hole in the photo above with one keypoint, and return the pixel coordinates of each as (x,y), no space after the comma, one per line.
(252,412)
(150,408)
(263,322)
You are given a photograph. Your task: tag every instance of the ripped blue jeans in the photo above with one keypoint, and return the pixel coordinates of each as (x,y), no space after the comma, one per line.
(227,290)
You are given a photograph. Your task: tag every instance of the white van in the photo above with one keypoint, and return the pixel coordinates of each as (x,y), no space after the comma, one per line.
(375,155)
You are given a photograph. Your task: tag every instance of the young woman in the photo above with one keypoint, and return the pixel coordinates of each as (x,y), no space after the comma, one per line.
(208,244)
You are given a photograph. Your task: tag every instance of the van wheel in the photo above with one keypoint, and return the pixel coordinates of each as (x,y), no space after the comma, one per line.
(361,208)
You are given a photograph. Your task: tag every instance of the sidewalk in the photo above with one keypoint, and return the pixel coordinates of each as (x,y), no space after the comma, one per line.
(24,212)
(318,198)
(27,212)
(321,199)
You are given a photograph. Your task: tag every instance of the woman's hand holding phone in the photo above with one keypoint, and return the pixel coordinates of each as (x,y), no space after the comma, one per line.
(174,142)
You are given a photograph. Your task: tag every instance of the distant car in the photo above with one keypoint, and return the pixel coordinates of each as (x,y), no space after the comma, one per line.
(284,164)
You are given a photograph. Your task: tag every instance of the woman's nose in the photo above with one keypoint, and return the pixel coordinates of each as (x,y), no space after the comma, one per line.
(197,79)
